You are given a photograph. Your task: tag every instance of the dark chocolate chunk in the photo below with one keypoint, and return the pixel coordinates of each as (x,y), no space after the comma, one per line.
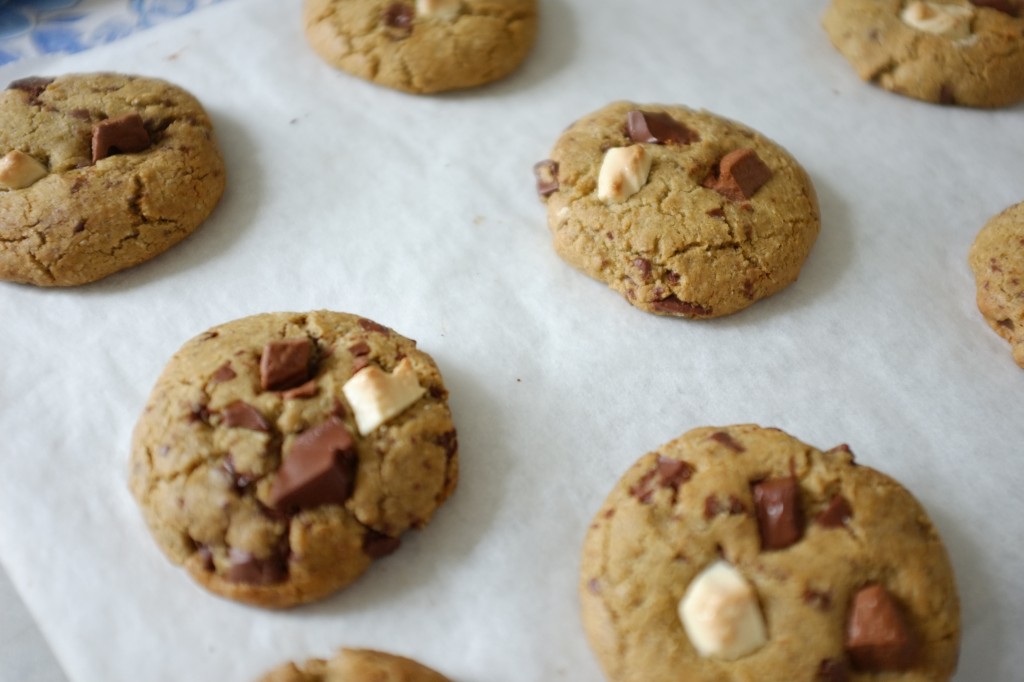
(371,326)
(246,568)
(947,95)
(450,442)
(667,473)
(674,306)
(547,177)
(306,390)
(33,86)
(377,545)
(723,438)
(200,413)
(319,469)
(645,126)
(779,515)
(399,15)
(833,670)
(1011,7)
(122,135)
(836,514)
(361,348)
(223,373)
(739,174)
(286,364)
(244,416)
(877,635)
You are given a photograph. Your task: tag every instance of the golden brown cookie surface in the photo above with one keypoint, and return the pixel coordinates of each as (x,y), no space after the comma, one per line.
(837,562)
(355,665)
(997,259)
(280,454)
(423,46)
(100,172)
(682,212)
(968,52)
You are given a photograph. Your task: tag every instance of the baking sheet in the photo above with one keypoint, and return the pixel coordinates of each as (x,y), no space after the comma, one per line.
(421,213)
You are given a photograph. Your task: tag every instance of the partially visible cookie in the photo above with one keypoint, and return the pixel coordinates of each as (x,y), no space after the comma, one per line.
(740,553)
(968,52)
(355,665)
(997,259)
(422,46)
(682,212)
(100,172)
(280,454)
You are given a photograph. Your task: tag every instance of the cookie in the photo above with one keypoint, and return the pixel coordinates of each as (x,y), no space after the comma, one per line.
(968,52)
(740,553)
(355,665)
(100,172)
(682,212)
(280,454)
(997,259)
(422,46)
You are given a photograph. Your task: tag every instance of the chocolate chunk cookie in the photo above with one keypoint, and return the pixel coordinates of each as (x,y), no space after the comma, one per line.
(968,52)
(280,454)
(740,553)
(355,665)
(997,259)
(682,212)
(423,46)
(100,172)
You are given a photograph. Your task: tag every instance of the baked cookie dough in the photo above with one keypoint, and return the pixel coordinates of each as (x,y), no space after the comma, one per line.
(100,172)
(682,212)
(968,52)
(740,553)
(997,259)
(280,454)
(422,46)
(355,665)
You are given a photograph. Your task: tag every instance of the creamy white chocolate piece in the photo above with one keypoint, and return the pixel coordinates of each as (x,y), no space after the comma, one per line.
(376,396)
(721,615)
(623,172)
(949,21)
(18,170)
(442,9)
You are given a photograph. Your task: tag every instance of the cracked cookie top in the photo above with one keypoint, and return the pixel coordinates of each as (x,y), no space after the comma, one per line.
(968,52)
(997,259)
(741,553)
(423,46)
(355,665)
(99,172)
(682,212)
(280,454)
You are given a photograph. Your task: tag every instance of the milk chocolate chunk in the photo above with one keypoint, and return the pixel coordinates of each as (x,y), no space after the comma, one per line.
(246,568)
(779,517)
(377,545)
(223,373)
(739,175)
(399,15)
(285,364)
(836,514)
(33,85)
(667,473)
(243,415)
(122,135)
(878,638)
(547,177)
(673,306)
(319,469)
(659,128)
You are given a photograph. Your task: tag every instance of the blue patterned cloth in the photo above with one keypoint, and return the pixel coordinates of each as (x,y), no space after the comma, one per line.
(34,27)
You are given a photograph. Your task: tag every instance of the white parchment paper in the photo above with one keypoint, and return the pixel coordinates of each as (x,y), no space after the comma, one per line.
(420,212)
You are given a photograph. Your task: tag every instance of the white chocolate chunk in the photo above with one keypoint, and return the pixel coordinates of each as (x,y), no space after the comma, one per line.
(721,615)
(623,172)
(442,9)
(18,170)
(376,396)
(949,21)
